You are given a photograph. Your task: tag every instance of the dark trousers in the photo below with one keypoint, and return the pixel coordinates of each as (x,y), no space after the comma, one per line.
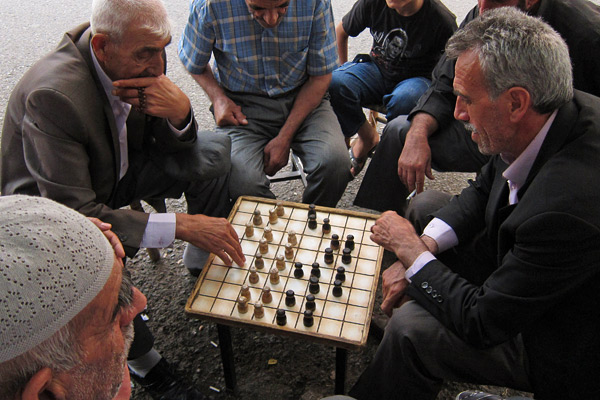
(451,149)
(418,353)
(146,179)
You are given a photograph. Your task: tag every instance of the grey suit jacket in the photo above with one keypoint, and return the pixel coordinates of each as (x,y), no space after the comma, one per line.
(59,138)
(547,246)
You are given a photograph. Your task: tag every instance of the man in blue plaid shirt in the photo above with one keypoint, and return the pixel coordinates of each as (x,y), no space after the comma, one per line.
(268,85)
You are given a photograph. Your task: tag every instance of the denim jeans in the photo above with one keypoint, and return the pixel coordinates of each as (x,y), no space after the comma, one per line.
(357,84)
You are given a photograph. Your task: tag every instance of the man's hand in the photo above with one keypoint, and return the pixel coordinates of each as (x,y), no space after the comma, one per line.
(276,155)
(414,162)
(156,96)
(228,113)
(393,285)
(397,234)
(211,234)
(105,227)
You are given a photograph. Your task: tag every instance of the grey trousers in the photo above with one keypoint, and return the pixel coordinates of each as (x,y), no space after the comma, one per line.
(318,142)
(418,353)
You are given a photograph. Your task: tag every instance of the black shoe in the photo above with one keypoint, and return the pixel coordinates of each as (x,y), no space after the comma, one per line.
(162,383)
(477,395)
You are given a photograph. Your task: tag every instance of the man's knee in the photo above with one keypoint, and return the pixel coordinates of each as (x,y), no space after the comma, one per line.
(395,131)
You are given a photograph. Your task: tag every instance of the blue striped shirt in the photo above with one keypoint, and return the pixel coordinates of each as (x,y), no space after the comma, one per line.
(253,59)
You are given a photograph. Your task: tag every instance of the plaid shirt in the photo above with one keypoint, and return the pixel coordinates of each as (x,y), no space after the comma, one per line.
(253,59)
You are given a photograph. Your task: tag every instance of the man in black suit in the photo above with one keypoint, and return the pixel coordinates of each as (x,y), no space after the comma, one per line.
(501,287)
(430,138)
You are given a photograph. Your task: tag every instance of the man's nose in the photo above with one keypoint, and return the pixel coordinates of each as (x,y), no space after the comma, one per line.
(156,66)
(138,303)
(460,111)
(271,16)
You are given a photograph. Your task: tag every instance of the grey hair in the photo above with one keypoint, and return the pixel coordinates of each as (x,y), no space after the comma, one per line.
(516,50)
(115,17)
(61,351)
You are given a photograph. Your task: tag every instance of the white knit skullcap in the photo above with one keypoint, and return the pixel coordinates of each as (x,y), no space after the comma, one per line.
(53,263)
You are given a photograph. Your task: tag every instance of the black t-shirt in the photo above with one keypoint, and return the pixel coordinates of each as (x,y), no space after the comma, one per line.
(403,47)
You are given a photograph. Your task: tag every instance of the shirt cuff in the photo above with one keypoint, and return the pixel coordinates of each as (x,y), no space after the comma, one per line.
(160,231)
(178,133)
(419,263)
(442,233)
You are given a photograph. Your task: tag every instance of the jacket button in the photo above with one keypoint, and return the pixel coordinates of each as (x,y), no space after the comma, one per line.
(440,299)
(428,289)
(425,285)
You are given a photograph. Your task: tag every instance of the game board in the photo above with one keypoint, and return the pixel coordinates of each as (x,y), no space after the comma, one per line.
(341,321)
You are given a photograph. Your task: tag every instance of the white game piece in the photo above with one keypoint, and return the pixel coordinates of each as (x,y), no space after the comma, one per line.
(289,251)
(253,277)
(280,262)
(242,304)
(292,239)
(263,246)
(259,310)
(268,234)
(273,277)
(245,292)
(257,220)
(249,230)
(273,216)
(266,296)
(280,209)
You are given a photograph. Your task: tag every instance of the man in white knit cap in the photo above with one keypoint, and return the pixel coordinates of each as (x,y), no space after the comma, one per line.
(66,304)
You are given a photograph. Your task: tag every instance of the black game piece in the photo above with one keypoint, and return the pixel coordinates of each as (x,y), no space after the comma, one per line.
(312,222)
(312,211)
(335,241)
(315,270)
(346,257)
(310,302)
(298,273)
(340,274)
(350,242)
(313,285)
(290,299)
(337,288)
(309,320)
(280,317)
(326,226)
(328,256)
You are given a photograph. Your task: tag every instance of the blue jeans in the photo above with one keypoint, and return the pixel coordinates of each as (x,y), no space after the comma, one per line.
(357,84)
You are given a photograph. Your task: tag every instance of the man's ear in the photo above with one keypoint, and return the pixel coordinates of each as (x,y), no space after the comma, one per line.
(519,103)
(100,42)
(43,386)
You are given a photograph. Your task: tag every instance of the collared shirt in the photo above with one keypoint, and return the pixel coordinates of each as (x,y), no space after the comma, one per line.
(160,230)
(252,59)
(516,173)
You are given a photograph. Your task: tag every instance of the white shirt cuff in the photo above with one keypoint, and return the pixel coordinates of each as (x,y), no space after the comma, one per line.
(419,263)
(178,132)
(160,231)
(442,233)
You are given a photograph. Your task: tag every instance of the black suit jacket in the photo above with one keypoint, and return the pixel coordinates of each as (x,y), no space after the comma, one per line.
(546,278)
(59,138)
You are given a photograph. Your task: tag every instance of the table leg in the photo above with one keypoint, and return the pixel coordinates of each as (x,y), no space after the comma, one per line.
(341,357)
(227,357)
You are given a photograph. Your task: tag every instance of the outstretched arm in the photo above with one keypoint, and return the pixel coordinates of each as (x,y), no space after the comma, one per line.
(226,111)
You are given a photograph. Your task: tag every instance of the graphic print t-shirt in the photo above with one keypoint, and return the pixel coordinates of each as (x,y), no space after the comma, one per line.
(403,47)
